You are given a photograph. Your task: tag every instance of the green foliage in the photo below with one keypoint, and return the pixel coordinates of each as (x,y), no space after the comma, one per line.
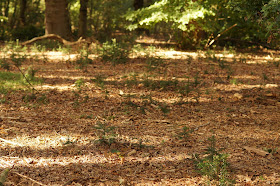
(164,108)
(4,64)
(69,142)
(214,165)
(185,134)
(30,74)
(153,63)
(161,84)
(107,16)
(27,32)
(105,134)
(15,80)
(114,52)
(180,13)
(99,81)
(4,176)
(79,95)
(35,97)
(271,18)
(83,61)
(48,44)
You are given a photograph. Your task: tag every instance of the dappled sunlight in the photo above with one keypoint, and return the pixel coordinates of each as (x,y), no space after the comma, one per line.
(239,87)
(149,101)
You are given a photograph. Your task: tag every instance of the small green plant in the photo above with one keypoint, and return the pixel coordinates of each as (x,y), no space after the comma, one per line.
(79,83)
(189,59)
(185,134)
(3,176)
(30,74)
(271,150)
(83,61)
(265,77)
(114,52)
(99,81)
(153,63)
(35,97)
(85,116)
(78,93)
(131,79)
(234,81)
(105,134)
(68,141)
(164,108)
(185,90)
(4,64)
(214,165)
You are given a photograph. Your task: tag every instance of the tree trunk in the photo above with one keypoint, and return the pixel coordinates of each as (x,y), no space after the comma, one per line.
(7,5)
(138,4)
(13,17)
(83,18)
(23,4)
(57,19)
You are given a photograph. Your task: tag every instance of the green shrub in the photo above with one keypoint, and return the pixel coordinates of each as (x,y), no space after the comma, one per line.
(114,52)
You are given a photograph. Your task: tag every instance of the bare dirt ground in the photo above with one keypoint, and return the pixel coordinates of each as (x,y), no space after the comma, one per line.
(49,140)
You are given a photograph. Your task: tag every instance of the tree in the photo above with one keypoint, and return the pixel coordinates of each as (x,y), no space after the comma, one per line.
(138,4)
(57,19)
(23,4)
(271,19)
(83,18)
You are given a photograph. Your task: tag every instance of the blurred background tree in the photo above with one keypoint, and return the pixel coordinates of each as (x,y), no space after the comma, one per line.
(189,23)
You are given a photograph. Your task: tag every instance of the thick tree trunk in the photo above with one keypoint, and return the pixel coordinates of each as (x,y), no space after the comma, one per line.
(83,18)
(57,19)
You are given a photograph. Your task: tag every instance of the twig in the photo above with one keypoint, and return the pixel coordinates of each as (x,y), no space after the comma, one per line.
(27,80)
(201,126)
(28,178)
(213,40)
(10,142)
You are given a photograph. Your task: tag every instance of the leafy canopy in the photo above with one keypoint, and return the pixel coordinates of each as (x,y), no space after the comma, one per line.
(178,12)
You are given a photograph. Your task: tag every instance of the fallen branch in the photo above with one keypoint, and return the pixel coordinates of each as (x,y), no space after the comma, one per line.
(213,40)
(201,126)
(257,151)
(26,177)
(10,142)
(55,37)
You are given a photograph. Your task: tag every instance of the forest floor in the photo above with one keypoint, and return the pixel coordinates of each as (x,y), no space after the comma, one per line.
(142,122)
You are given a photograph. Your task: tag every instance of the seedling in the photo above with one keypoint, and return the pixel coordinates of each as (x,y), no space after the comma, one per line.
(79,98)
(164,108)
(185,134)
(69,142)
(99,81)
(105,134)
(83,61)
(214,165)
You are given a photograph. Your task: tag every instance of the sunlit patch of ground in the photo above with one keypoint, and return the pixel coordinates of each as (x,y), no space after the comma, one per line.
(55,142)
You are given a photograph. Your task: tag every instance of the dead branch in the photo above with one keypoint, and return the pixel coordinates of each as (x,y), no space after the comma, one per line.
(26,177)
(57,38)
(213,40)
